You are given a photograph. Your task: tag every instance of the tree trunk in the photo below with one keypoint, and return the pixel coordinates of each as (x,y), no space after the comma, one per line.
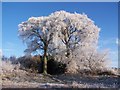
(45,65)
(68,51)
(45,61)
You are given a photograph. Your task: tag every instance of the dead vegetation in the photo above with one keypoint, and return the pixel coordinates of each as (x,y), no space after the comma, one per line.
(13,76)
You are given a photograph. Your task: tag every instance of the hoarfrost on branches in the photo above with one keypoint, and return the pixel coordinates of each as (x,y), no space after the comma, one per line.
(67,37)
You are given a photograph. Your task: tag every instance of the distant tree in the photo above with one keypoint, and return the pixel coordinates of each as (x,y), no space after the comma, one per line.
(4,58)
(12,58)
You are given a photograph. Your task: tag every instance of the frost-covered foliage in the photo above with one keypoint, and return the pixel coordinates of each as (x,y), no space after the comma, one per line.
(8,67)
(70,38)
(91,59)
(10,71)
(86,59)
(68,30)
(36,33)
(75,30)
(15,78)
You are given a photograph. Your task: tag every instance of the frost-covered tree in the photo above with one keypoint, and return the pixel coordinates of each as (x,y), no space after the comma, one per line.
(58,34)
(74,31)
(37,32)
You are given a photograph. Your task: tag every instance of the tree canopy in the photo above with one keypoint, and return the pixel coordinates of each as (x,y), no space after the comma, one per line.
(59,34)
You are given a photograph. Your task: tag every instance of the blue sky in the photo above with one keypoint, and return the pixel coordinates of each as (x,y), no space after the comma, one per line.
(104,14)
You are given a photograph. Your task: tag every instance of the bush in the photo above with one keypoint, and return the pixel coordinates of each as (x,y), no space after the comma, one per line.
(55,67)
(97,72)
(35,63)
(29,62)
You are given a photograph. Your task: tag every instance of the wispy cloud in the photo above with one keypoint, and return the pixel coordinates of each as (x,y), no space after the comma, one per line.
(10,44)
(112,45)
(8,50)
(113,56)
(12,49)
(108,43)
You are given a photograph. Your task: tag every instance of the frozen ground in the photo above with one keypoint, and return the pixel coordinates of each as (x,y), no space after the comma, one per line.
(13,77)
(38,80)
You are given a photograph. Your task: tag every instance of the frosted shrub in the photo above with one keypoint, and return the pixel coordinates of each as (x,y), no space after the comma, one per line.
(72,67)
(91,60)
(10,70)
(7,67)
